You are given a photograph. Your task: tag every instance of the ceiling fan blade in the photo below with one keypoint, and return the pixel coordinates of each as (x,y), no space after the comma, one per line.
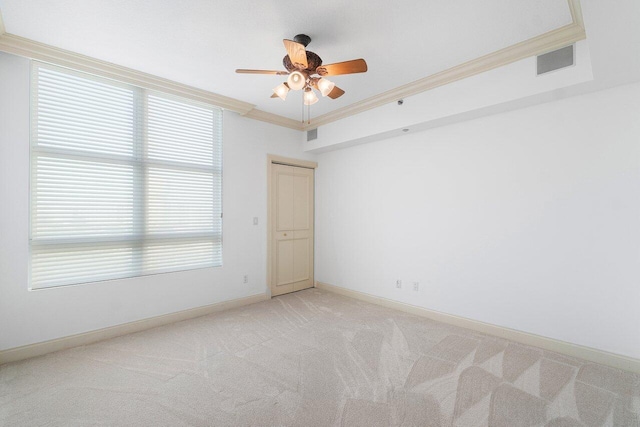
(347,67)
(336,92)
(273,95)
(297,54)
(277,73)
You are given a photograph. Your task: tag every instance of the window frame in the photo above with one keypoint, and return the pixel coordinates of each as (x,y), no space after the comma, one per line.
(140,239)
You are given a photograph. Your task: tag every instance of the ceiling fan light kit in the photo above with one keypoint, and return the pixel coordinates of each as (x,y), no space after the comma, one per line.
(306,72)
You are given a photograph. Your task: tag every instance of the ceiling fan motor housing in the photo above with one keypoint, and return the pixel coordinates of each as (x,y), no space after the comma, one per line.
(313,62)
(303,39)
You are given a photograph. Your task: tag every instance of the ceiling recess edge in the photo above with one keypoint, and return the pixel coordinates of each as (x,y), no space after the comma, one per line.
(551,40)
(543,43)
(2,27)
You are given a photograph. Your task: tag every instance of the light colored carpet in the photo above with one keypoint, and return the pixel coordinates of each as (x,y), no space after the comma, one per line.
(314,358)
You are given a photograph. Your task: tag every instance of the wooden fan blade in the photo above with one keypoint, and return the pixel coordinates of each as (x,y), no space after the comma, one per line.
(273,95)
(336,92)
(297,54)
(277,73)
(347,67)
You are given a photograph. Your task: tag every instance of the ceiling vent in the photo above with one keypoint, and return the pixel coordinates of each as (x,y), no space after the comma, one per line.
(312,134)
(551,61)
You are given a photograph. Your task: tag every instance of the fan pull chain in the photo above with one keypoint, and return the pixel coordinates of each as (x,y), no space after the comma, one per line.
(309,114)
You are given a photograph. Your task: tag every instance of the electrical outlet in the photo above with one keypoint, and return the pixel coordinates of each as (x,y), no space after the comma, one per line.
(416,286)
(245,279)
(398,284)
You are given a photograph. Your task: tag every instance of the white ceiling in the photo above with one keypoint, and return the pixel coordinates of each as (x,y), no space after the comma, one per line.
(201,43)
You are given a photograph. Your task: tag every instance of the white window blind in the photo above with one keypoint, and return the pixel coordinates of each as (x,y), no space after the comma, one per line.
(124,181)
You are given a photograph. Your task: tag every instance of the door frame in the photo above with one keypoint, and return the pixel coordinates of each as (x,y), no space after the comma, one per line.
(279,160)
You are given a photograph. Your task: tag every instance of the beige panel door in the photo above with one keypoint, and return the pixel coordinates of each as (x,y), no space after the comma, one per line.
(292,229)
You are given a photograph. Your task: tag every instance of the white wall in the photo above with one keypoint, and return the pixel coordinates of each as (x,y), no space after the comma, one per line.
(33,316)
(528,219)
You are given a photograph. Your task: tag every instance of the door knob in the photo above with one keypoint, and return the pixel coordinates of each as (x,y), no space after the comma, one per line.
(285,234)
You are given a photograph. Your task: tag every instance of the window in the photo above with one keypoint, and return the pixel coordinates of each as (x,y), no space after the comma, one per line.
(124,181)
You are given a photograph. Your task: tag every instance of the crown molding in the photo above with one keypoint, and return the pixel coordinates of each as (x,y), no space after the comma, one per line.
(576,13)
(31,49)
(2,27)
(275,119)
(546,42)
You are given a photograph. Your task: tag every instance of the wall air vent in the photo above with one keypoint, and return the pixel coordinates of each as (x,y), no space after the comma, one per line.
(551,61)
(312,134)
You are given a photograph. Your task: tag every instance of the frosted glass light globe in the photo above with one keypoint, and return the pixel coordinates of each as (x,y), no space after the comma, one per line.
(325,86)
(296,80)
(310,97)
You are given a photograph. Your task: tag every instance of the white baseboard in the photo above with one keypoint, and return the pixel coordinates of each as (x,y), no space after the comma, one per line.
(38,349)
(562,347)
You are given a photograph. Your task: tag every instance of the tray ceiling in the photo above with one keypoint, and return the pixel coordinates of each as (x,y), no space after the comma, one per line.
(201,43)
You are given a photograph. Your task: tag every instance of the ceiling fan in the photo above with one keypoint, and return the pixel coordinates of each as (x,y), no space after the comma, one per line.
(306,72)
